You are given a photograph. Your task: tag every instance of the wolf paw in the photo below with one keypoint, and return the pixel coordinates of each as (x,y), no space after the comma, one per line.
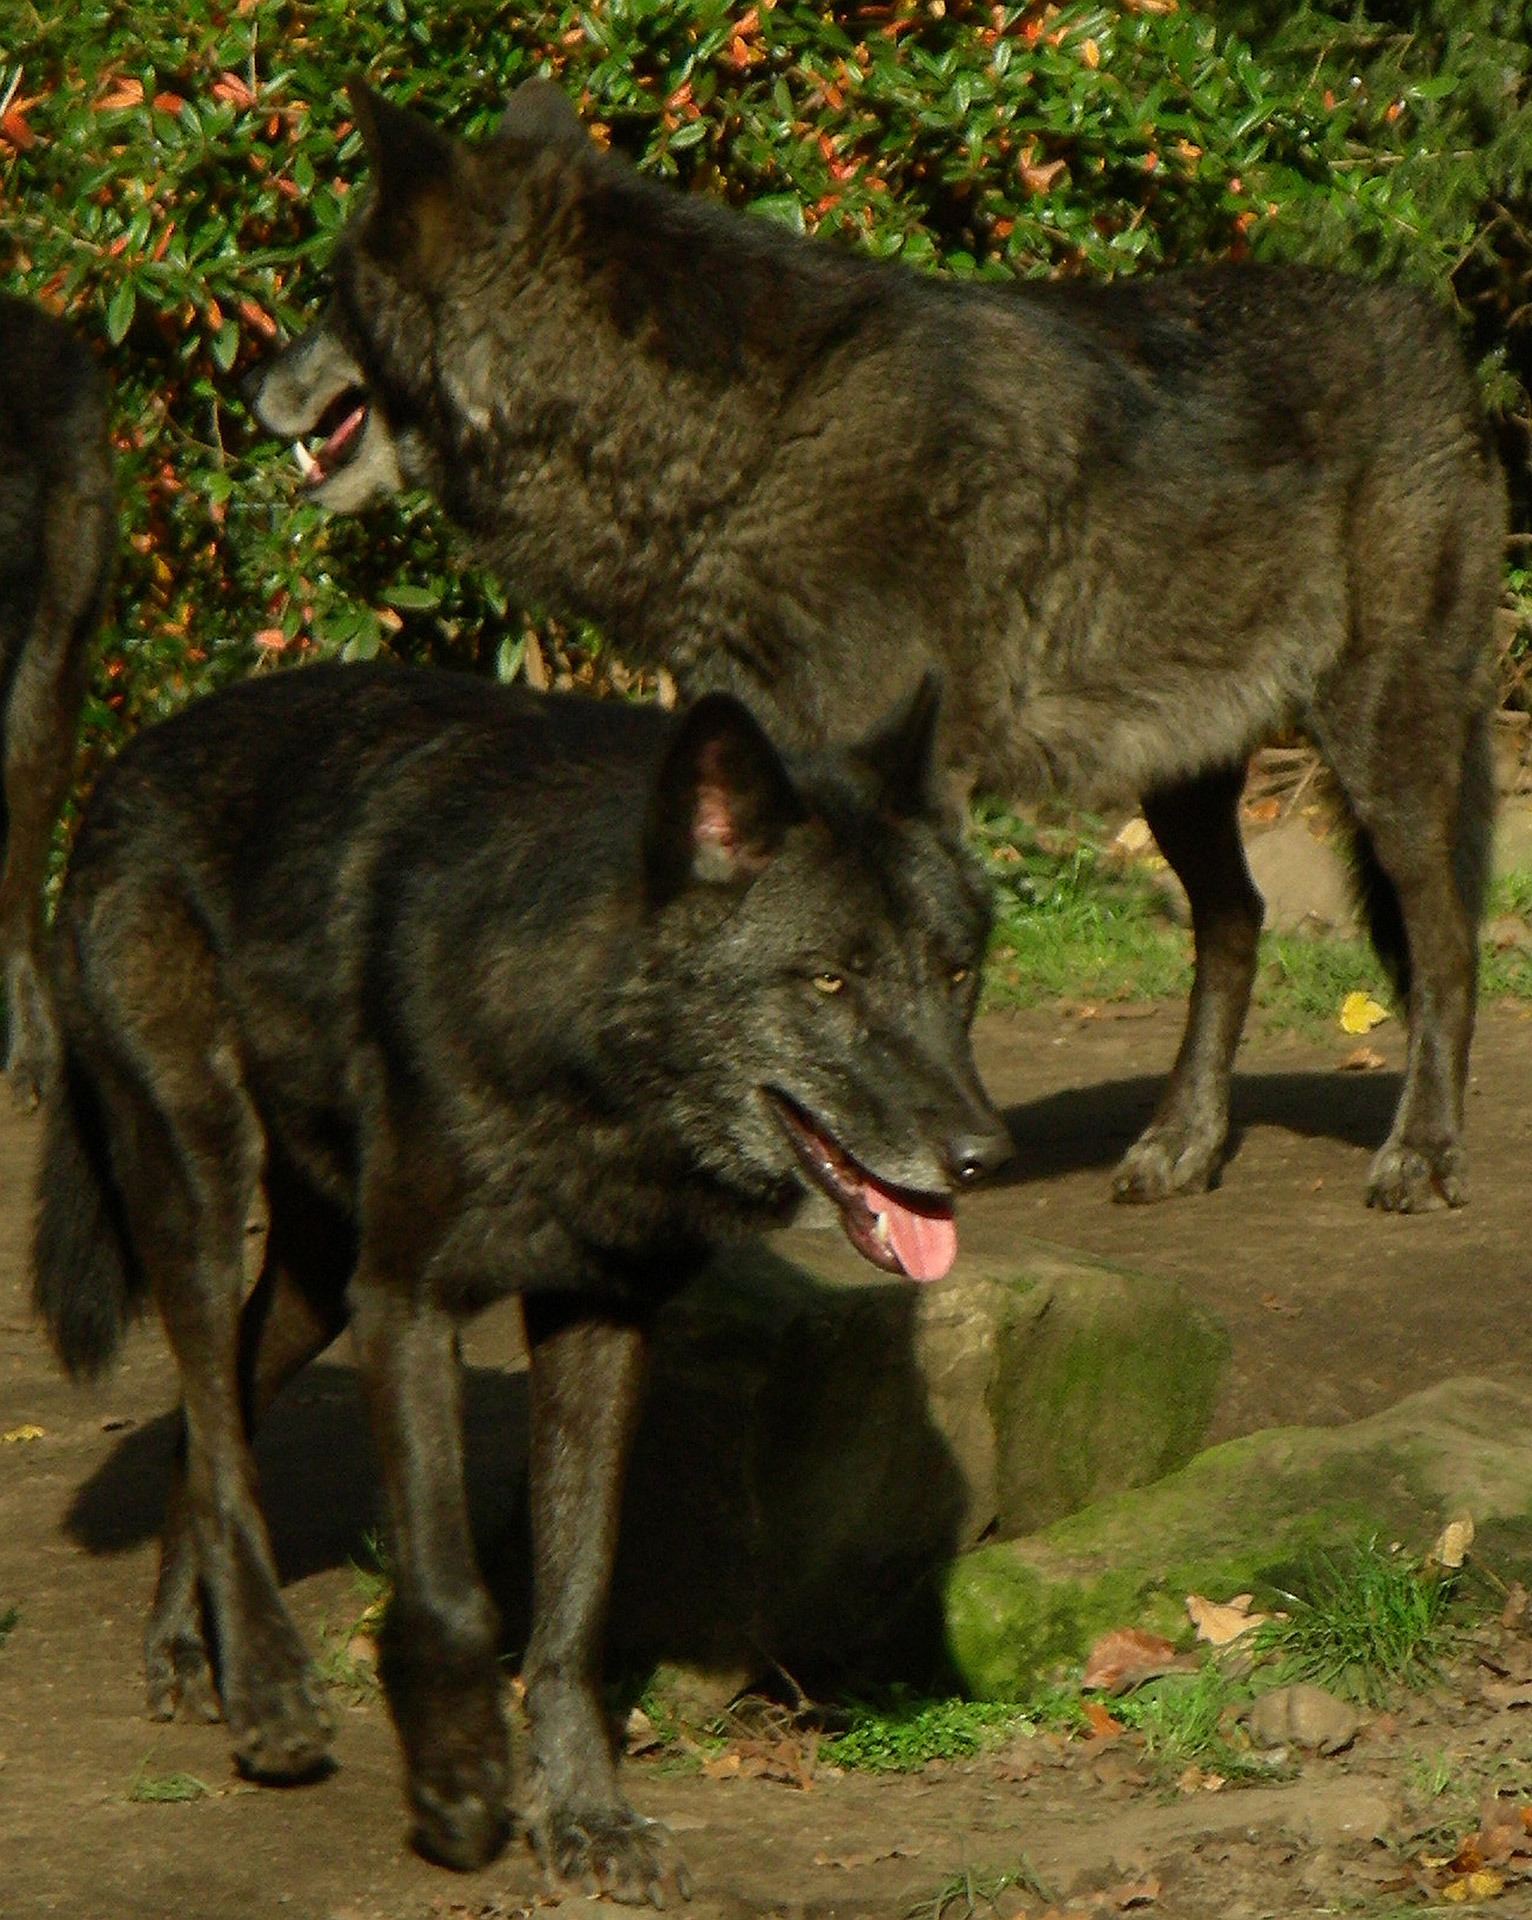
(282,1732)
(613,1851)
(1405,1179)
(179,1677)
(459,1825)
(1168,1159)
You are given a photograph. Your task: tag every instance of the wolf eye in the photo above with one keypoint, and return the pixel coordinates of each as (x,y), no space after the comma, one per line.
(828,982)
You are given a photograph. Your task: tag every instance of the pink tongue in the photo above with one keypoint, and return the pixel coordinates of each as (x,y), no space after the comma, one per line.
(925,1244)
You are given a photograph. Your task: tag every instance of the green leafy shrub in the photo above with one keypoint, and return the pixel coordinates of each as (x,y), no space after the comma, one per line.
(173,177)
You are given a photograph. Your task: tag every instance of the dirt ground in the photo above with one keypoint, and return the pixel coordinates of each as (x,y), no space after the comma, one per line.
(1333,1312)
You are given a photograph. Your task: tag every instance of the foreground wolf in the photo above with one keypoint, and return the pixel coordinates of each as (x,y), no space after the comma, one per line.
(57,540)
(468,993)
(1138,527)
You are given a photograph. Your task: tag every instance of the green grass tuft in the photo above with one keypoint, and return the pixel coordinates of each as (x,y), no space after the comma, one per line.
(1071,921)
(974,1892)
(1188,1719)
(1363,1623)
(903,1733)
(164,1789)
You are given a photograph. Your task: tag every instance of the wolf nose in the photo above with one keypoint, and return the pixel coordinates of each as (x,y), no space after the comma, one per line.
(971,1155)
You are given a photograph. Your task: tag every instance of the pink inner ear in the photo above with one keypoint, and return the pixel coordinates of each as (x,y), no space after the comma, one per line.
(712,823)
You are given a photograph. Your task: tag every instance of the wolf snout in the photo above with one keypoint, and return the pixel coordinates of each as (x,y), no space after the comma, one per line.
(970,1155)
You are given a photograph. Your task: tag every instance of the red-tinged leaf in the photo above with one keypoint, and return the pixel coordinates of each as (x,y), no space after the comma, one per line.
(230,87)
(257,318)
(169,102)
(1102,1724)
(15,131)
(122,92)
(1125,1658)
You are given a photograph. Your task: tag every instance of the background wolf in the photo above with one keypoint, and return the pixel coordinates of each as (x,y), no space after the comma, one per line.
(470,993)
(1138,526)
(57,535)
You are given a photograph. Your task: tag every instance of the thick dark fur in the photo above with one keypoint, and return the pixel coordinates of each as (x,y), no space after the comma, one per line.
(385,994)
(1139,527)
(58,532)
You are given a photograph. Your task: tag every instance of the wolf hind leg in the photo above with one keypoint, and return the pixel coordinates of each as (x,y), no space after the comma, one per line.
(1196,825)
(290,1316)
(186,1150)
(1423,824)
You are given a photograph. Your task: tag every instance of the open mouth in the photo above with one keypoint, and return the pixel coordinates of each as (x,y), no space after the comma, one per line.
(336,439)
(901,1232)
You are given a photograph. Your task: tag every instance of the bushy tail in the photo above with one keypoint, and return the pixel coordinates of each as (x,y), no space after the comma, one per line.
(86,1283)
(1472,850)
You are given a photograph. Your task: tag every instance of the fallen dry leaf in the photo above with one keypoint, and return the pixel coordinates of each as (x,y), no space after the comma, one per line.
(1360,1013)
(1219,1622)
(20,1433)
(1452,1543)
(1515,1604)
(1125,1658)
(1483,1885)
(1102,1724)
(1362,1060)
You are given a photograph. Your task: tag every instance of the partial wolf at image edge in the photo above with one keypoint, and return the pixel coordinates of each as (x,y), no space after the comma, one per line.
(58,550)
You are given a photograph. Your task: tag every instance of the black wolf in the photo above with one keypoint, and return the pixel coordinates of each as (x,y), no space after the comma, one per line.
(58,528)
(465,993)
(1138,527)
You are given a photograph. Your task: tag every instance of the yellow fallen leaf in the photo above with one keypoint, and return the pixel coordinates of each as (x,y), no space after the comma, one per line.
(1483,1885)
(1360,1013)
(20,1433)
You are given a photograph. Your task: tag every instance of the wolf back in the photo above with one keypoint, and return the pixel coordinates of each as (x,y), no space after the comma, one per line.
(57,542)
(388,993)
(1138,527)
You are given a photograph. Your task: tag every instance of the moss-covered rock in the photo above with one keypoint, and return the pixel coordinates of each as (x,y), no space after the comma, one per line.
(820,1442)
(1240,1517)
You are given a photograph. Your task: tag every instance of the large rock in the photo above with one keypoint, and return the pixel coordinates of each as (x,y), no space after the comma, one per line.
(820,1442)
(1241,1517)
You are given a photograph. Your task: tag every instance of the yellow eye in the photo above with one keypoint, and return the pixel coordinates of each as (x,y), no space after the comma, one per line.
(828,982)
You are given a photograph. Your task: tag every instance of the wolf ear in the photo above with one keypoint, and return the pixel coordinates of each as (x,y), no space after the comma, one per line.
(721,803)
(415,220)
(901,751)
(539,114)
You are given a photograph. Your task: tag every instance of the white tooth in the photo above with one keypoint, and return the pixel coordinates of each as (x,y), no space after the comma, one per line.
(880,1226)
(307,464)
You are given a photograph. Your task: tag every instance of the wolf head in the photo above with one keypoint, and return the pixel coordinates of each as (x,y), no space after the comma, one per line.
(351,392)
(818,936)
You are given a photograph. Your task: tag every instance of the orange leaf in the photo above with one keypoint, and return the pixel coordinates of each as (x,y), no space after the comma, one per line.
(254,316)
(1125,1658)
(1102,1723)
